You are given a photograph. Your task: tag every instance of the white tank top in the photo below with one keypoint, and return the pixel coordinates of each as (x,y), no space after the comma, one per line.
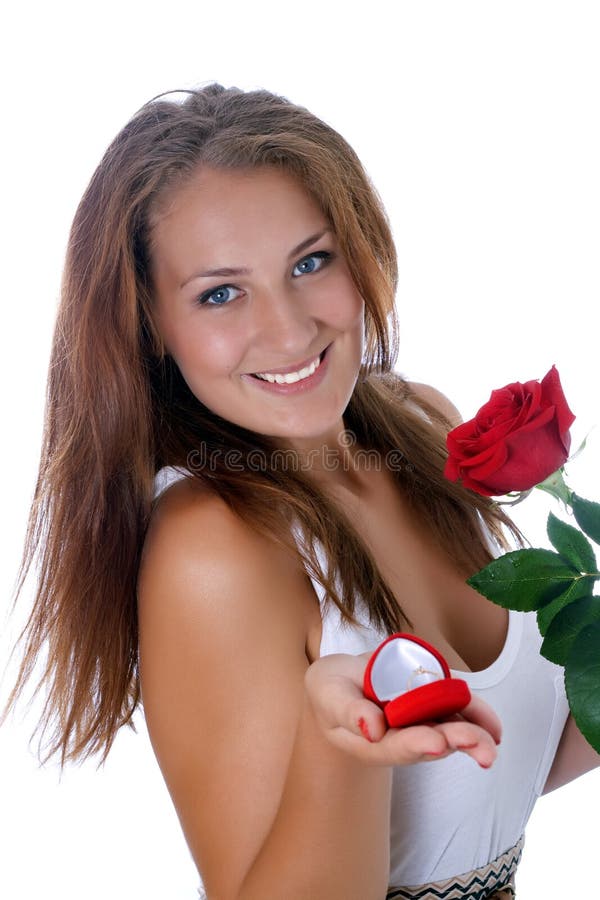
(451,816)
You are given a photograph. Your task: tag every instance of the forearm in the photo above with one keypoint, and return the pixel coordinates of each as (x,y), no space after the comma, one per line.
(330,837)
(574,757)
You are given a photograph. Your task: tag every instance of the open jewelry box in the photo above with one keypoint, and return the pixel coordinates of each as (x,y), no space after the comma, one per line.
(411,681)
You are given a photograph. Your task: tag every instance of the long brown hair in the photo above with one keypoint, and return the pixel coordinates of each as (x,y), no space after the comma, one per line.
(118,410)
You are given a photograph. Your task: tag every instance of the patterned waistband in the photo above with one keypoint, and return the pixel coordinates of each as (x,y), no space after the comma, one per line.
(495,880)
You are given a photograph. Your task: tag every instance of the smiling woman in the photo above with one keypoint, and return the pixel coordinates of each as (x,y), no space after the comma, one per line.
(228,324)
(288,325)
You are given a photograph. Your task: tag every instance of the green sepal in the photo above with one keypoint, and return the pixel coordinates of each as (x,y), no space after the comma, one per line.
(565,627)
(555,484)
(587,516)
(582,683)
(577,590)
(524,579)
(572,545)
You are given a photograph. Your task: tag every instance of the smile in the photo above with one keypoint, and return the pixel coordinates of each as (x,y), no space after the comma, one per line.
(291,377)
(299,381)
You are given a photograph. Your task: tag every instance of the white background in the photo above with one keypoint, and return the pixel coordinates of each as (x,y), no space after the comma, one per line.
(479,123)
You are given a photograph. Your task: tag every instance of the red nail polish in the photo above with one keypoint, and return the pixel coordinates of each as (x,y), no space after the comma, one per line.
(365,729)
(466,746)
(485,765)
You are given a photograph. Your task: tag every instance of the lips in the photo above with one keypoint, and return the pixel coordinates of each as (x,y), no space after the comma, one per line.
(279,385)
(287,369)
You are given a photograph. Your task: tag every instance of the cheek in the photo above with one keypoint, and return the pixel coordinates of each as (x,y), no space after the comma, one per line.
(204,352)
(340,304)
(356,319)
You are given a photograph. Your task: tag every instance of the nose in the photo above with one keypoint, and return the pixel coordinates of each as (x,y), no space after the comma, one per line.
(285,326)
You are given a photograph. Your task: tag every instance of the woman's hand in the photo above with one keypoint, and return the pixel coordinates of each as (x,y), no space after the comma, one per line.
(356,725)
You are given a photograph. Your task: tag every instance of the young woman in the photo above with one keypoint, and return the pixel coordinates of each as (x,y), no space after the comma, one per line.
(238,500)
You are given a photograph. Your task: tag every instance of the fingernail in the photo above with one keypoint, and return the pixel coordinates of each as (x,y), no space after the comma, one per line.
(466,746)
(498,741)
(485,765)
(433,752)
(365,729)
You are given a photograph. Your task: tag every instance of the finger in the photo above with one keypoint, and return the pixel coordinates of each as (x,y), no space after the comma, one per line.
(470,739)
(340,664)
(421,743)
(417,743)
(397,746)
(338,701)
(363,717)
(480,713)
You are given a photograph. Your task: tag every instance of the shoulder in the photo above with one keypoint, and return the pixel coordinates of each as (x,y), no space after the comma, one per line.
(427,395)
(428,402)
(198,547)
(190,522)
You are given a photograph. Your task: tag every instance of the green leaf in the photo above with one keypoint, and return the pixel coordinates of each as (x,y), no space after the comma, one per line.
(578,589)
(572,545)
(587,516)
(524,579)
(565,627)
(582,681)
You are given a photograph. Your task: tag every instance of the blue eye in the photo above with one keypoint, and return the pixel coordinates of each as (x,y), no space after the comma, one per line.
(312,263)
(219,296)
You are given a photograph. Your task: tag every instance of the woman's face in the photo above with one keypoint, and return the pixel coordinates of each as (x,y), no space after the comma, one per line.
(249,280)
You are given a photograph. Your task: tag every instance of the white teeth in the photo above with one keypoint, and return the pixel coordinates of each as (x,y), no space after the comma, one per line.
(291,377)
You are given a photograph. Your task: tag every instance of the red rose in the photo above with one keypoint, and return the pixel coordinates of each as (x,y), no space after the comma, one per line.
(519,438)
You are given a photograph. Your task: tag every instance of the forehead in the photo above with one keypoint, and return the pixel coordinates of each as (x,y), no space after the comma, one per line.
(221,210)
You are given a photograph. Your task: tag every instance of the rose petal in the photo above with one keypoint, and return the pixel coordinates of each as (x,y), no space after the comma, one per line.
(553,394)
(480,467)
(532,456)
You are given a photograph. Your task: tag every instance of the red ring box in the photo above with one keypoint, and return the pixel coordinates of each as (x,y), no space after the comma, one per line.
(398,662)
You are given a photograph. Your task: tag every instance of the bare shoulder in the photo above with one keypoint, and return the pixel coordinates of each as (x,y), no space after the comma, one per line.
(222,636)
(437,400)
(194,533)
(205,569)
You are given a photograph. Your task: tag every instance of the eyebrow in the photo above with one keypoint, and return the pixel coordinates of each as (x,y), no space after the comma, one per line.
(228,272)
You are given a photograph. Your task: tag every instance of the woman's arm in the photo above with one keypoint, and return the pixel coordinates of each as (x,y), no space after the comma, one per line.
(574,757)
(268,806)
